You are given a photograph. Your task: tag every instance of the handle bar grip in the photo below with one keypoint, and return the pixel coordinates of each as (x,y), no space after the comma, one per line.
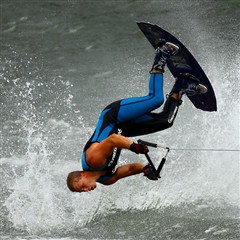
(147,143)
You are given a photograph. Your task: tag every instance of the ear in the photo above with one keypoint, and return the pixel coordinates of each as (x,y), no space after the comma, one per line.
(83,174)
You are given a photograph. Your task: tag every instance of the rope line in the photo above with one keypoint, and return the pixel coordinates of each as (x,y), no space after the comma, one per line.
(205,149)
(202,149)
(155,145)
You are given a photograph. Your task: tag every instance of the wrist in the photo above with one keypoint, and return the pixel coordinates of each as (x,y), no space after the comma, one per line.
(138,148)
(132,147)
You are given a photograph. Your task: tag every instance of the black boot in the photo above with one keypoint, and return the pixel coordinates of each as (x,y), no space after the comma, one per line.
(162,54)
(189,84)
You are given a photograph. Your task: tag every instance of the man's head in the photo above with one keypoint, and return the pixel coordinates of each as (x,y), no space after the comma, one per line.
(80,181)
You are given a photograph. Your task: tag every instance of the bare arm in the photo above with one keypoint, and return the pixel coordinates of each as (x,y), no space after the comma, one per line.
(99,152)
(125,171)
(117,141)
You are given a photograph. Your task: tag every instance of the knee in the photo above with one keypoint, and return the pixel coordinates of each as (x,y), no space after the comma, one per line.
(158,100)
(161,99)
(169,124)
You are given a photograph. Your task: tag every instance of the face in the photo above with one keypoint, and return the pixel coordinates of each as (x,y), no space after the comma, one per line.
(85,185)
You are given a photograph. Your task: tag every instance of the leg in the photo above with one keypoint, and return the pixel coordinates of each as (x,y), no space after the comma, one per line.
(129,109)
(132,108)
(153,122)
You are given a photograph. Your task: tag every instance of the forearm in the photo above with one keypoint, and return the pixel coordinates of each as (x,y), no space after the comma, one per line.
(135,168)
(119,141)
(125,171)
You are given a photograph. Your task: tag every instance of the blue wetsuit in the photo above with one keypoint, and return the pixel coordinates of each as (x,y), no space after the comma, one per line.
(131,117)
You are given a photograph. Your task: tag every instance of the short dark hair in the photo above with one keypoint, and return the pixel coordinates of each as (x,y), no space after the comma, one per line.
(73,177)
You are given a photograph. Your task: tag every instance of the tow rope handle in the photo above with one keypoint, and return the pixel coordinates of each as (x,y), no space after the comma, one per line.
(161,164)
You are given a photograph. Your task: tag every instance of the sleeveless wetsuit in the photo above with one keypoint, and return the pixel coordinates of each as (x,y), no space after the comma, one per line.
(129,117)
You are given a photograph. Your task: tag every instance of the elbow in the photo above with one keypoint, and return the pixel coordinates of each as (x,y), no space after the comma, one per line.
(112,138)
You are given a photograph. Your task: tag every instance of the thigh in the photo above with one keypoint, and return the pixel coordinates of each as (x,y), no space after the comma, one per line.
(129,109)
(154,122)
(135,107)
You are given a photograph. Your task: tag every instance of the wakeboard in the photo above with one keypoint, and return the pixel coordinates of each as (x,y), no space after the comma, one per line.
(182,62)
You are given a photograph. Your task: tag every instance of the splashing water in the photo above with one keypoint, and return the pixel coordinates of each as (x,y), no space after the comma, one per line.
(34,200)
(43,134)
(38,200)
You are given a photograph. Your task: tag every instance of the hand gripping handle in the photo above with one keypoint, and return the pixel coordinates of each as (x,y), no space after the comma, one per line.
(147,143)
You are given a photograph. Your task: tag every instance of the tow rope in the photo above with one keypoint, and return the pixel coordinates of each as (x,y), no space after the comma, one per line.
(162,162)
